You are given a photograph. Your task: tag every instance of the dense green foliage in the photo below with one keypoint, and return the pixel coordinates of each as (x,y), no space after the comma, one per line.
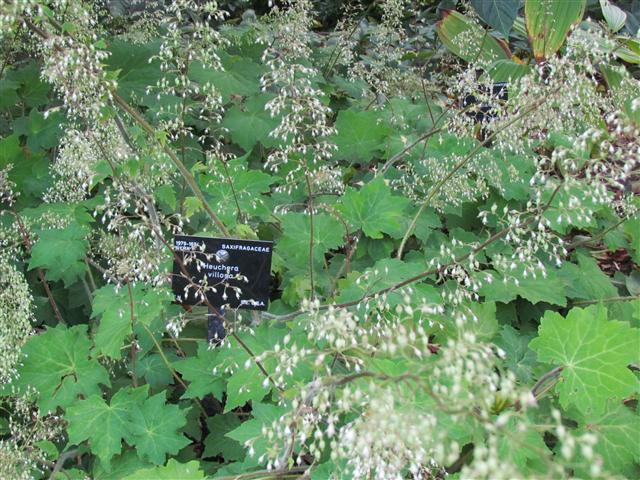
(455,283)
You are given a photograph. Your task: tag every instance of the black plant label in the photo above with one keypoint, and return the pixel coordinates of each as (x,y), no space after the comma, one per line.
(226,271)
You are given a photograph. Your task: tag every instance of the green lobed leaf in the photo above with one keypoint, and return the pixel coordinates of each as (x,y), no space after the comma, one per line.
(155,429)
(8,92)
(328,233)
(250,432)
(617,430)
(199,371)
(240,191)
(104,425)
(593,352)
(152,368)
(249,123)
(135,72)
(529,447)
(518,357)
(585,280)
(216,444)
(119,467)
(374,209)
(360,135)
(239,77)
(61,252)
(549,288)
(247,381)
(173,470)
(114,306)
(33,91)
(58,364)
(115,323)
(42,132)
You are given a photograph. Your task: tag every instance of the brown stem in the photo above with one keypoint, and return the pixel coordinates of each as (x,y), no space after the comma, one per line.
(27,243)
(60,463)
(256,361)
(408,148)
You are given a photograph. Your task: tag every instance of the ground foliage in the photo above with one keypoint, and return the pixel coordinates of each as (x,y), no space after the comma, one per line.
(455,274)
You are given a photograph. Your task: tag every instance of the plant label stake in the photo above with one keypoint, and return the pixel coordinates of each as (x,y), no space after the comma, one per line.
(221,273)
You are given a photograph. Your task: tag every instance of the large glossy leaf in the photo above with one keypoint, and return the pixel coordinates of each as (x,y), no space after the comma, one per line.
(500,14)
(507,71)
(469,41)
(549,22)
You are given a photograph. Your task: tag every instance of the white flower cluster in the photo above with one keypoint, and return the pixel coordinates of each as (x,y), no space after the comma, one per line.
(11,12)
(7,192)
(304,125)
(383,67)
(21,455)
(131,256)
(80,153)
(75,69)
(389,436)
(387,439)
(466,184)
(465,378)
(15,317)
(190,39)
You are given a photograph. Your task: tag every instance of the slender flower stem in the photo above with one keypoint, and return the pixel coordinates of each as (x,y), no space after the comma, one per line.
(442,182)
(427,273)
(311,233)
(132,353)
(184,171)
(169,366)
